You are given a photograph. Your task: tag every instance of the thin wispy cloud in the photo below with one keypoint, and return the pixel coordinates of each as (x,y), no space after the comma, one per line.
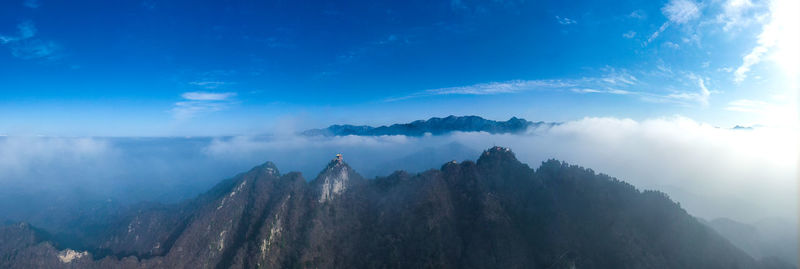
(638,14)
(778,111)
(681,11)
(198,103)
(207,96)
(491,88)
(618,77)
(608,91)
(614,82)
(36,49)
(671,45)
(25,30)
(209,84)
(31,3)
(677,12)
(736,13)
(24,44)
(565,20)
(655,34)
(700,97)
(746,105)
(629,34)
(610,82)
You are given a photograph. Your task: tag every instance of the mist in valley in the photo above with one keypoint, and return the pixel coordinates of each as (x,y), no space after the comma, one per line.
(747,175)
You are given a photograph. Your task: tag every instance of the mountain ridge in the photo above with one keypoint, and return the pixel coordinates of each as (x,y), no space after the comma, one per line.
(433,126)
(493,212)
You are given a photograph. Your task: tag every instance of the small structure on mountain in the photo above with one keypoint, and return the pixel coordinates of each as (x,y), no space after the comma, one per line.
(339,157)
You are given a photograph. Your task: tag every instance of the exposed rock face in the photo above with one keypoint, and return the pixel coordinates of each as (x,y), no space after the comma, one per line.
(493,213)
(67,255)
(334,180)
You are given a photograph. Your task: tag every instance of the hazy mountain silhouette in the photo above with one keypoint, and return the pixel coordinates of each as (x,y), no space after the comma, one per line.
(493,213)
(434,126)
(763,239)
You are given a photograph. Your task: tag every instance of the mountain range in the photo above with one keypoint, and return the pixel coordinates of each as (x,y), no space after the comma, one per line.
(433,126)
(495,212)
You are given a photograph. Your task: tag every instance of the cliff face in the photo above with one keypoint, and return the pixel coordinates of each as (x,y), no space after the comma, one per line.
(493,213)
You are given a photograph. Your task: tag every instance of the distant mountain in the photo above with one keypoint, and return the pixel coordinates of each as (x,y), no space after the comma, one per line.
(764,239)
(434,126)
(493,213)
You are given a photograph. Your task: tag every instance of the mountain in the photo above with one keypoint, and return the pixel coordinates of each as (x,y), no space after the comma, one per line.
(493,213)
(424,158)
(434,126)
(764,239)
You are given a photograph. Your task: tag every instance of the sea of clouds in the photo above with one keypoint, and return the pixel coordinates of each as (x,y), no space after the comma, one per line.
(742,174)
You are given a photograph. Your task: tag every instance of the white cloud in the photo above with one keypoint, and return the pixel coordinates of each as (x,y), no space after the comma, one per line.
(500,87)
(209,84)
(655,34)
(614,81)
(638,14)
(197,103)
(27,155)
(681,11)
(207,96)
(611,78)
(621,77)
(677,12)
(491,88)
(671,45)
(745,105)
(734,14)
(629,34)
(587,90)
(778,38)
(700,97)
(780,111)
(711,171)
(617,91)
(608,91)
(565,20)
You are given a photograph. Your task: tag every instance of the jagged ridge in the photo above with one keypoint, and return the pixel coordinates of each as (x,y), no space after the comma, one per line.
(493,213)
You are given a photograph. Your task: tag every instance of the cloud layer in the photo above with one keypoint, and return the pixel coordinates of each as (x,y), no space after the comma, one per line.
(713,172)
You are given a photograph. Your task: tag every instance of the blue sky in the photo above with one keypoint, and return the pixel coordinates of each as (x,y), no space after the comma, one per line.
(153,68)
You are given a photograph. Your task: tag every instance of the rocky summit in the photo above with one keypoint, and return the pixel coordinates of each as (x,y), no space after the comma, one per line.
(493,213)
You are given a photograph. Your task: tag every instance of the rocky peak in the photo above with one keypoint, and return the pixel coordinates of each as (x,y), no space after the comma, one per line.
(269,168)
(497,154)
(334,179)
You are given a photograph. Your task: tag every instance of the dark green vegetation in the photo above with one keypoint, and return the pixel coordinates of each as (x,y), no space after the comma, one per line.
(493,213)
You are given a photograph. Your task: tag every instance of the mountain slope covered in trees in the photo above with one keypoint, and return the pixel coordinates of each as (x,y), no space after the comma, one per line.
(493,213)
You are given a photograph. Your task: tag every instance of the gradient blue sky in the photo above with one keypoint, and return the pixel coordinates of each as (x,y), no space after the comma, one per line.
(152,68)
